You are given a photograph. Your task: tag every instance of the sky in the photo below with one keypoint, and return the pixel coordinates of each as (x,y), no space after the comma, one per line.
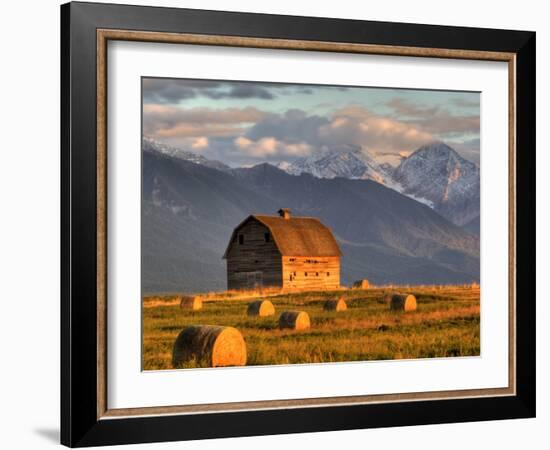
(243,123)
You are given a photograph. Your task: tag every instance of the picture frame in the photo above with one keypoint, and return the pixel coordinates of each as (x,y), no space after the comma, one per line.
(86,29)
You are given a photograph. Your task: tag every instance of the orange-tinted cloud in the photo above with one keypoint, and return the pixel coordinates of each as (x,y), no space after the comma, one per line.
(358,126)
(171,121)
(269,147)
(436,120)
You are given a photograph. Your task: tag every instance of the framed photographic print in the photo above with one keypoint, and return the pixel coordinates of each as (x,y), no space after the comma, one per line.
(276,224)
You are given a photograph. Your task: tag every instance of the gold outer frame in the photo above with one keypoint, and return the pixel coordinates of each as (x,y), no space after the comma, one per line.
(105,35)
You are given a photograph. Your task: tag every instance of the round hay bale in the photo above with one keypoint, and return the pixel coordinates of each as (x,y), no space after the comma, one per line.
(361,284)
(190,302)
(295,320)
(403,302)
(209,345)
(335,305)
(260,308)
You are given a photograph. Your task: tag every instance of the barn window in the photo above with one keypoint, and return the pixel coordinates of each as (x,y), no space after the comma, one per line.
(316,274)
(328,274)
(305,273)
(267,237)
(241,239)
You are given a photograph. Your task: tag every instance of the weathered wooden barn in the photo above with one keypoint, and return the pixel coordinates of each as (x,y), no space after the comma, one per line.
(292,253)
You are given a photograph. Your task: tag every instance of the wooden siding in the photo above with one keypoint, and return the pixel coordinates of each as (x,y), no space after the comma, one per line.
(311,273)
(255,262)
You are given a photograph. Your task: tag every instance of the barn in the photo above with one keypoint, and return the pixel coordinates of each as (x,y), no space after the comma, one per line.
(291,253)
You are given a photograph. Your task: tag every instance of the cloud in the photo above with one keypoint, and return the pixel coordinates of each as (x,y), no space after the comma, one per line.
(352,125)
(447,125)
(241,91)
(434,119)
(249,135)
(469,149)
(173,91)
(199,143)
(168,91)
(405,108)
(292,126)
(173,114)
(465,103)
(161,90)
(358,126)
(295,133)
(269,146)
(171,121)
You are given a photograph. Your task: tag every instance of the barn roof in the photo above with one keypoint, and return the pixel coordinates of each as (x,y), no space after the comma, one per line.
(297,236)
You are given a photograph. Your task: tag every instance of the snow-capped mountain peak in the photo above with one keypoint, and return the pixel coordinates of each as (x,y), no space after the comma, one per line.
(150,144)
(345,161)
(438,174)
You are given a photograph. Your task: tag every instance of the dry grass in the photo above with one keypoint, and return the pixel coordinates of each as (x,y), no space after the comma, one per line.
(445,324)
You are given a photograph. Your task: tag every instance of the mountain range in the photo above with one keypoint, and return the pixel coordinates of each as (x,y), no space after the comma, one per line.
(190,207)
(434,174)
(345,161)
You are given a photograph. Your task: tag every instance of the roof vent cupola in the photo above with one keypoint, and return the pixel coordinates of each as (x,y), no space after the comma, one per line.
(284,213)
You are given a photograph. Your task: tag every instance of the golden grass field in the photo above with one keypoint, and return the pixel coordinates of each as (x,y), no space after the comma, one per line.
(446,323)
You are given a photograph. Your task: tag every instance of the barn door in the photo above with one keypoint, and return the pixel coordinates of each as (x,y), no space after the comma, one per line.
(254,279)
